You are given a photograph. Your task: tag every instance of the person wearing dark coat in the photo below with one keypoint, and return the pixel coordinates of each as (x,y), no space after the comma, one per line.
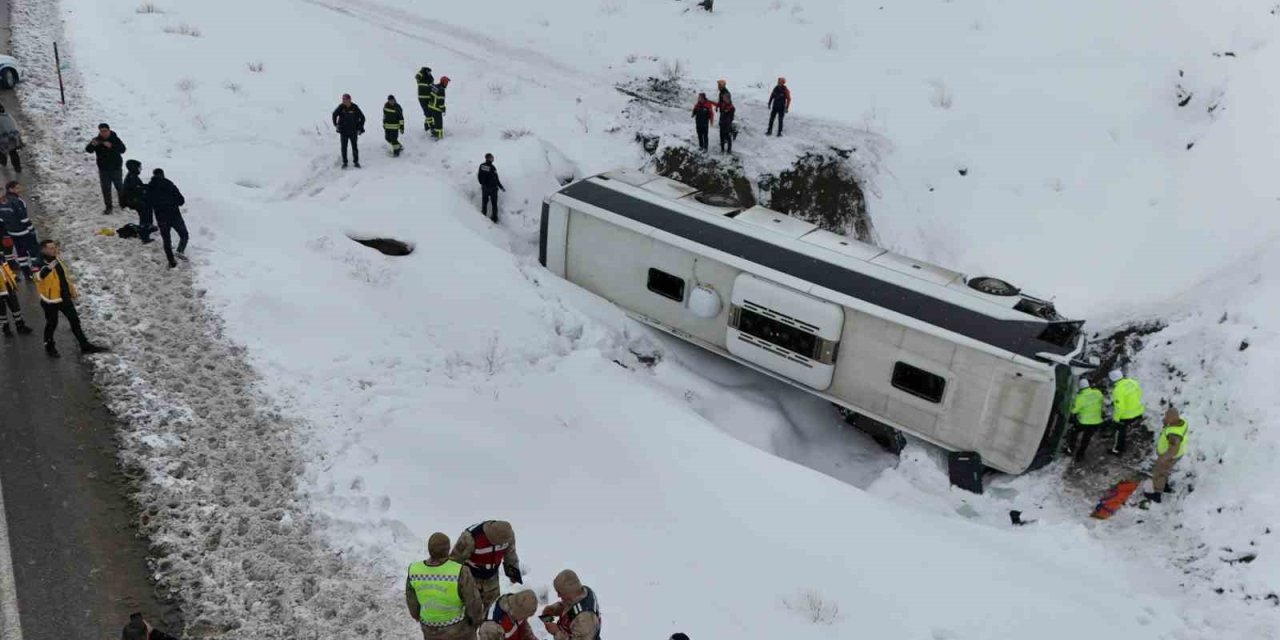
(779,105)
(436,108)
(164,199)
(109,151)
(348,119)
(16,224)
(490,183)
(10,141)
(704,115)
(726,108)
(134,196)
(425,81)
(139,629)
(393,124)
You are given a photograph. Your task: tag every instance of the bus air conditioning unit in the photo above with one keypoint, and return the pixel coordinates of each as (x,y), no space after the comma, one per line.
(784,331)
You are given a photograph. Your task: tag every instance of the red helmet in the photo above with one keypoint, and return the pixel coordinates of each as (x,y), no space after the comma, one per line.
(444,80)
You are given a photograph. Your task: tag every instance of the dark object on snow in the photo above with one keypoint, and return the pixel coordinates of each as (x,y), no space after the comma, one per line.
(128,231)
(650,143)
(886,436)
(705,4)
(1015,517)
(965,469)
(681,636)
(963,171)
(1244,344)
(993,286)
(388,246)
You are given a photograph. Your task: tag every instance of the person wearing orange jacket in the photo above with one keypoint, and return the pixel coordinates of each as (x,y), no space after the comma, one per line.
(704,115)
(779,105)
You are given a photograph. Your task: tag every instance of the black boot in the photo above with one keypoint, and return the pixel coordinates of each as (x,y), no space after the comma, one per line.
(89,349)
(6,330)
(1168,486)
(23,329)
(52,350)
(1153,497)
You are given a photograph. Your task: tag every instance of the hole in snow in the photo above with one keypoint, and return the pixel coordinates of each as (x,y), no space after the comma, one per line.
(389,246)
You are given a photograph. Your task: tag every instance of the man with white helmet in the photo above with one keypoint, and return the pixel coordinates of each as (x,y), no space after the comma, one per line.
(1086,418)
(1126,408)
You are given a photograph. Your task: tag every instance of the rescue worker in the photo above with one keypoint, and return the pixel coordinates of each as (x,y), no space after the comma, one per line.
(17,225)
(704,115)
(57,295)
(442,595)
(348,119)
(165,200)
(108,150)
(725,105)
(1126,408)
(1086,413)
(577,613)
(509,618)
(483,548)
(490,183)
(425,82)
(9,302)
(393,123)
(435,108)
(779,105)
(134,197)
(1170,446)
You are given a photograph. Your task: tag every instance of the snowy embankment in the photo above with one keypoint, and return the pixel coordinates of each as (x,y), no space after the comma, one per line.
(389,397)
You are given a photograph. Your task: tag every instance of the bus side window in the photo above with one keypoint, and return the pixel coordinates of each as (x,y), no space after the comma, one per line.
(918,382)
(666,285)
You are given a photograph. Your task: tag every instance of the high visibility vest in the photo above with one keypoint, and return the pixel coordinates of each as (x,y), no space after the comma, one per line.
(439,603)
(435,101)
(1087,407)
(1126,397)
(424,85)
(1180,430)
(487,557)
(586,605)
(8,280)
(392,117)
(49,286)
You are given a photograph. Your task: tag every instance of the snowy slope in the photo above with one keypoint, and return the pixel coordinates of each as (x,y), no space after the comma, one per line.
(463,382)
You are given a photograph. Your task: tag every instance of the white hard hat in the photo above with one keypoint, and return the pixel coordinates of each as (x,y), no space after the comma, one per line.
(1084,382)
(1115,375)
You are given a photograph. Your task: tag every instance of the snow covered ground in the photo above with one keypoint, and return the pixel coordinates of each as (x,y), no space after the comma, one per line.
(304,410)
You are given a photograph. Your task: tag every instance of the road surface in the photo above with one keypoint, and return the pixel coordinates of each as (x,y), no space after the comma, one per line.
(78,567)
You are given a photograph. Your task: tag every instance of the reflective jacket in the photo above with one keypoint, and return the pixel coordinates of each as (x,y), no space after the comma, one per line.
(8,280)
(440,603)
(435,100)
(393,117)
(586,605)
(1179,430)
(1087,407)
(13,216)
(49,283)
(424,82)
(487,557)
(1126,400)
(511,630)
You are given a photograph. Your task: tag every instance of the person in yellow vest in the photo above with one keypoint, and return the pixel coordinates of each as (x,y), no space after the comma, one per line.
(1086,417)
(1126,408)
(57,296)
(1170,446)
(9,302)
(442,597)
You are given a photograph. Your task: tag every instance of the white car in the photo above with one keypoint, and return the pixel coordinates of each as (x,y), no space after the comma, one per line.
(8,72)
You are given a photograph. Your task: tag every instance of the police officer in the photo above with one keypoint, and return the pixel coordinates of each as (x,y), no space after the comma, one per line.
(425,82)
(490,183)
(1126,408)
(483,547)
(1086,413)
(577,612)
(393,123)
(435,108)
(441,596)
(1170,446)
(509,618)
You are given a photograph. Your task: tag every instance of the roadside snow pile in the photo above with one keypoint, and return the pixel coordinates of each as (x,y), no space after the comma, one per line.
(394,396)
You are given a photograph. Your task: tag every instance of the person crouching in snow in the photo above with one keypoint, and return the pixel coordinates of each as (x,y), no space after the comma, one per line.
(134,196)
(9,302)
(576,615)
(393,123)
(164,199)
(509,618)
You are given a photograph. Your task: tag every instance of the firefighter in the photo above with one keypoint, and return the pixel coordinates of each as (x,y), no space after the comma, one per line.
(509,618)
(725,105)
(779,105)
(9,302)
(577,612)
(393,123)
(1126,408)
(425,82)
(57,295)
(1086,413)
(1170,446)
(483,548)
(435,108)
(704,115)
(441,595)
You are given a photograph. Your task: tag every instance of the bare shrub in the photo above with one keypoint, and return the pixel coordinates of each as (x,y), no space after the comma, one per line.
(631,58)
(829,42)
(183,29)
(256,67)
(515,134)
(810,604)
(496,89)
(673,70)
(148,8)
(941,97)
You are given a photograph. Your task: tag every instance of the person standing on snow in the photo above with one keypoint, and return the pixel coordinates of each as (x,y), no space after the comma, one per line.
(1170,446)
(134,197)
(436,108)
(57,295)
(483,548)
(9,302)
(509,618)
(10,141)
(164,199)
(1086,413)
(109,150)
(1126,408)
(490,183)
(441,594)
(17,225)
(725,105)
(393,124)
(348,119)
(779,105)
(704,116)
(425,82)
(577,612)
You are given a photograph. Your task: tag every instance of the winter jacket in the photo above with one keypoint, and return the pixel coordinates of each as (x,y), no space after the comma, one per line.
(10,137)
(501,624)
(108,158)
(164,198)
(704,113)
(50,282)
(435,101)
(780,98)
(481,549)
(725,102)
(425,81)
(472,606)
(134,195)
(393,117)
(578,621)
(13,213)
(349,120)
(488,178)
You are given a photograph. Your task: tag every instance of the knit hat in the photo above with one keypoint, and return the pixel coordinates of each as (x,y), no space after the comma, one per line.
(438,546)
(567,583)
(499,532)
(1115,375)
(522,604)
(1084,382)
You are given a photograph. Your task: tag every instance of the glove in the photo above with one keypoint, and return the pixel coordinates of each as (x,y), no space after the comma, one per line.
(7,242)
(513,574)
(402,127)
(361,130)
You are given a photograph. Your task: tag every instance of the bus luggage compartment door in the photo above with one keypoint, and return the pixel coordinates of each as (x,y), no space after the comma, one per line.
(784,331)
